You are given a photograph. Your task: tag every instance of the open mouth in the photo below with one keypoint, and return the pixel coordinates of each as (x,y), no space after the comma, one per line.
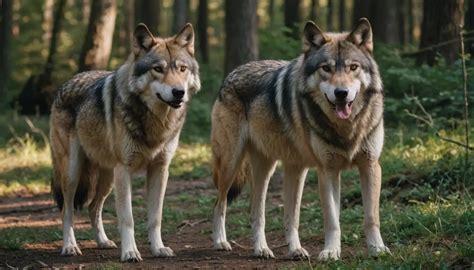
(343,110)
(174,104)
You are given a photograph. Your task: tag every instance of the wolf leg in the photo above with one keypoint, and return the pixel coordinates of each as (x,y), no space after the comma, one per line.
(104,187)
(76,159)
(370,179)
(293,184)
(262,170)
(157,179)
(123,206)
(329,190)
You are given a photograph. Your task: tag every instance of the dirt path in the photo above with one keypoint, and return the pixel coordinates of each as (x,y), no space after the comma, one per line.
(193,249)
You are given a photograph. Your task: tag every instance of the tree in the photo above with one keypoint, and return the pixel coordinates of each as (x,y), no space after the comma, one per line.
(271,12)
(241,44)
(38,93)
(441,21)
(469,25)
(383,16)
(314,10)
(98,41)
(180,14)
(5,36)
(342,15)
(202,25)
(330,16)
(363,8)
(47,26)
(292,16)
(149,13)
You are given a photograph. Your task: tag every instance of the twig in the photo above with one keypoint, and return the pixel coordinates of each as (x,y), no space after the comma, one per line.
(432,47)
(466,104)
(240,246)
(427,119)
(36,130)
(191,224)
(455,142)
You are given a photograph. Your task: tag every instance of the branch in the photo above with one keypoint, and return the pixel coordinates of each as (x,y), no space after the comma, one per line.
(455,142)
(432,47)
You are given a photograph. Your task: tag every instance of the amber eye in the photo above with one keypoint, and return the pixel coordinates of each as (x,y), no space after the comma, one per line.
(326,68)
(183,68)
(158,69)
(353,67)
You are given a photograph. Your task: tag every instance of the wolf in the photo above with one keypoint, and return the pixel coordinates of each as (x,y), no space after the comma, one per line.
(323,109)
(106,127)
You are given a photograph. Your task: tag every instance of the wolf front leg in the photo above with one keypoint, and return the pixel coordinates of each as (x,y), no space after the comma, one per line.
(157,179)
(329,190)
(370,179)
(292,191)
(123,206)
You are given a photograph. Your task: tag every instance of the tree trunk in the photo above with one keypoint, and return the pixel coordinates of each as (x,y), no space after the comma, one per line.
(271,12)
(363,8)
(202,25)
(314,10)
(180,14)
(38,93)
(402,22)
(330,16)
(47,26)
(98,41)
(410,21)
(441,20)
(469,25)
(241,44)
(149,13)
(342,15)
(385,21)
(292,16)
(5,38)
(128,26)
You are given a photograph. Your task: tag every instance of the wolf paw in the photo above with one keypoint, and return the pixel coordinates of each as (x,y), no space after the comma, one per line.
(71,250)
(109,244)
(264,253)
(131,256)
(298,254)
(163,252)
(329,254)
(223,246)
(376,251)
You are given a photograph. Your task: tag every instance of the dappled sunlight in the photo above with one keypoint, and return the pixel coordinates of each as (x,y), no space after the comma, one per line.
(191,160)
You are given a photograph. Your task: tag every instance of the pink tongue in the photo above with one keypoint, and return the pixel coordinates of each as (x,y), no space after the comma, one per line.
(343,111)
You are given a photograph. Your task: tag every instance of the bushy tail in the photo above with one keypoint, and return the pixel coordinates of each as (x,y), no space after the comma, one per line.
(88,179)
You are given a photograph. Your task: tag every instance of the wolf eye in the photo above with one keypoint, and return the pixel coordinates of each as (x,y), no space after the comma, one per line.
(326,68)
(183,68)
(353,67)
(158,69)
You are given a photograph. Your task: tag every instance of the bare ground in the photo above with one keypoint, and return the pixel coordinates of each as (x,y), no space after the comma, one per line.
(192,247)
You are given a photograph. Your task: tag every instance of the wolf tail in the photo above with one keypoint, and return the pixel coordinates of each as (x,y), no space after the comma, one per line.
(60,158)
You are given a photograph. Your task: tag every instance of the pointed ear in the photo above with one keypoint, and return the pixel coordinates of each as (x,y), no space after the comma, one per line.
(143,39)
(313,37)
(185,38)
(362,35)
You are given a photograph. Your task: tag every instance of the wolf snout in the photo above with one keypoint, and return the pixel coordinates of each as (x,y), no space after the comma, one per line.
(341,93)
(178,93)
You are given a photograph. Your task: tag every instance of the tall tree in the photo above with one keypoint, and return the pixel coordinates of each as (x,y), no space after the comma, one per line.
(180,14)
(342,15)
(5,36)
(47,26)
(469,25)
(98,41)
(330,16)
(202,25)
(385,21)
(410,21)
(403,14)
(38,92)
(314,10)
(241,45)
(441,21)
(363,8)
(149,13)
(292,16)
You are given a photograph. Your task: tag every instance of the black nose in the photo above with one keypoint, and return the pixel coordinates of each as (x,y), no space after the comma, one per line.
(177,93)
(341,93)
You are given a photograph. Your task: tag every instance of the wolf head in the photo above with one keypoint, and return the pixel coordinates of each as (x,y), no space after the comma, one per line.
(340,66)
(164,70)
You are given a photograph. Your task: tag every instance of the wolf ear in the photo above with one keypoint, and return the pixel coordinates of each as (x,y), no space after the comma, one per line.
(313,37)
(143,39)
(362,35)
(185,38)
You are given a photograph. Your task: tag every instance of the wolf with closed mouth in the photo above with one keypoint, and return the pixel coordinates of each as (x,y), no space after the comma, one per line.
(108,126)
(323,109)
